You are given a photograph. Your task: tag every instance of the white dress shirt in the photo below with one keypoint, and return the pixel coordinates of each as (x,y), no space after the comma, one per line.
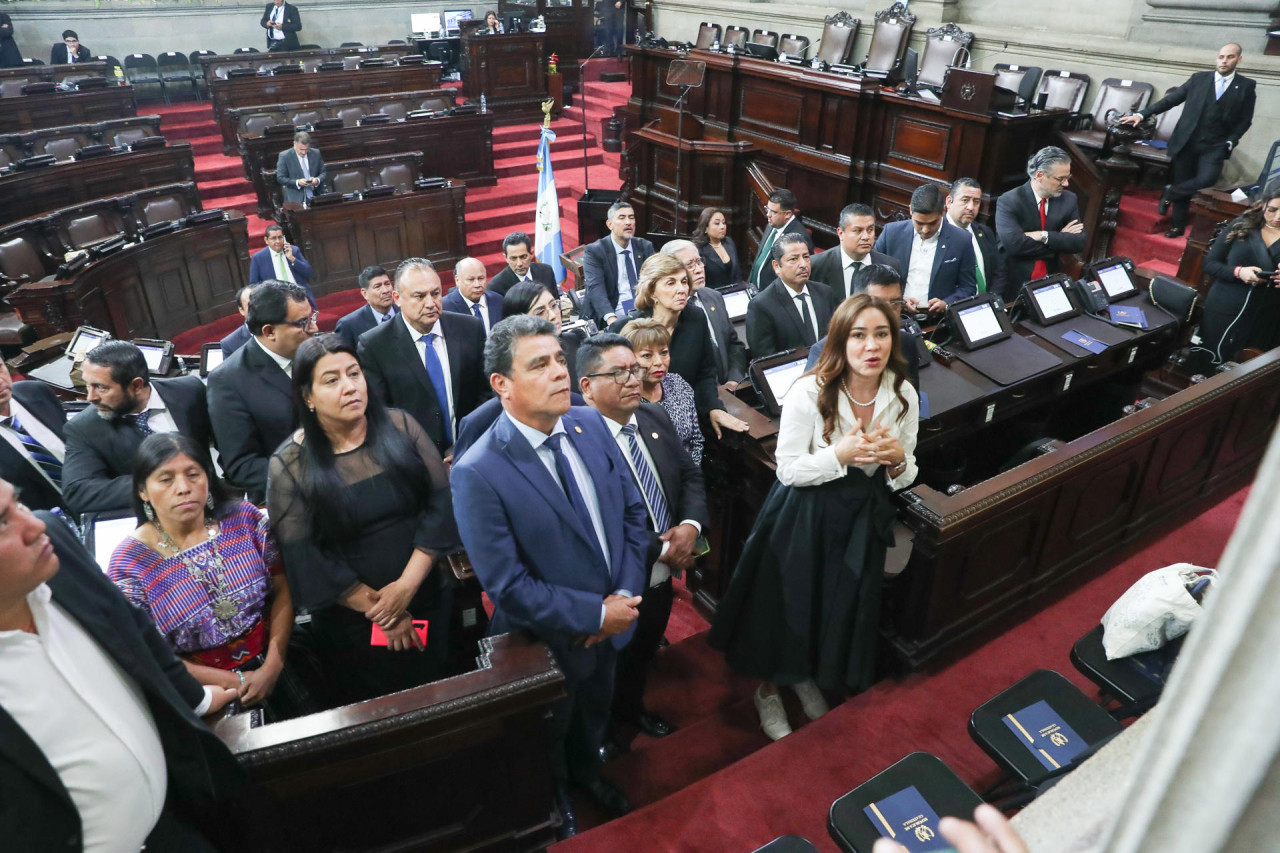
(277,20)
(91,721)
(624,283)
(285,364)
(660,571)
(920,270)
(442,352)
(39,432)
(1222,84)
(804,458)
(484,312)
(795,305)
(847,263)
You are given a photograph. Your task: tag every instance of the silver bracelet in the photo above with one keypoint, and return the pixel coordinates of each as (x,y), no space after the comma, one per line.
(241,674)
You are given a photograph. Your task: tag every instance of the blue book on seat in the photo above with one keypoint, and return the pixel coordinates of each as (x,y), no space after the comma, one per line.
(1046,735)
(907,819)
(1128,315)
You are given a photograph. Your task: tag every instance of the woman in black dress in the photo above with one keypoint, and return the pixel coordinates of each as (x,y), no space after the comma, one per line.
(719,255)
(359,499)
(662,292)
(1243,307)
(803,606)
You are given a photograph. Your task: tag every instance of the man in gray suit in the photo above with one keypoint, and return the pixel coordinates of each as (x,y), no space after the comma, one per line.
(731,353)
(300,169)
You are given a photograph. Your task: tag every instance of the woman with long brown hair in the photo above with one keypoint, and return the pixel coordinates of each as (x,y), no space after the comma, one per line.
(1243,306)
(802,608)
(719,255)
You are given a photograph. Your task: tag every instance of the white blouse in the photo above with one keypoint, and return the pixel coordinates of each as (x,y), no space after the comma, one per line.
(805,459)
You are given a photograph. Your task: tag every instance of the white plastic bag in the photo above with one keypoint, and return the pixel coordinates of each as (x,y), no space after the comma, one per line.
(1156,609)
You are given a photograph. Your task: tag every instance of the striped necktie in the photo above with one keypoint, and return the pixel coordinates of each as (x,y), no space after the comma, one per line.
(659,513)
(46,460)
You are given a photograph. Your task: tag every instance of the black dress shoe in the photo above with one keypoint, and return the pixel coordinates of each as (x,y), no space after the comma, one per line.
(651,724)
(568,820)
(610,751)
(1163,207)
(1175,231)
(607,796)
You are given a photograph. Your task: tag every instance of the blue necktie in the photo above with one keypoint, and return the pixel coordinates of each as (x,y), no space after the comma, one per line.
(629,303)
(140,422)
(435,371)
(46,460)
(661,516)
(569,483)
(475,312)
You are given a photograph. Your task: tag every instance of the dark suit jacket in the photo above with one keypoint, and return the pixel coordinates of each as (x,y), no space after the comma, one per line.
(952,277)
(397,375)
(1235,106)
(483,416)
(720,274)
(261,268)
(795,226)
(828,268)
(250,426)
(542,273)
(359,321)
(774,324)
(692,355)
(540,567)
(454,302)
(680,476)
(600,270)
(239,337)
(731,353)
(97,473)
(36,812)
(289,172)
(993,261)
(58,56)
(290,26)
(37,492)
(1018,213)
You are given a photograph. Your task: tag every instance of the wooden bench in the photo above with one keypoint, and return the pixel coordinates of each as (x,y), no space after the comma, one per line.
(218,66)
(62,142)
(13,79)
(53,109)
(355,176)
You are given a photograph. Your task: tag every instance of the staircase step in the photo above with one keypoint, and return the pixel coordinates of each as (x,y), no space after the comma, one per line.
(559,162)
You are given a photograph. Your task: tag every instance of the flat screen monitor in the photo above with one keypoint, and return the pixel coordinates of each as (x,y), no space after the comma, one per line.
(210,357)
(1116,281)
(774,375)
(736,301)
(104,531)
(452,17)
(425,22)
(159,354)
(1049,301)
(85,339)
(154,356)
(980,321)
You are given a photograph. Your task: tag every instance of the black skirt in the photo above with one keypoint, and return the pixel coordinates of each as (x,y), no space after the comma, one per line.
(804,600)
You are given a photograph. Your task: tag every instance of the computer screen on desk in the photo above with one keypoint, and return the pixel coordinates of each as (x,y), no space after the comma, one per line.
(425,23)
(1116,281)
(979,321)
(452,17)
(773,375)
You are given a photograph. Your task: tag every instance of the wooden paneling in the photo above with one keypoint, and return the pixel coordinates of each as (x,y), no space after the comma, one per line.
(29,112)
(509,70)
(216,67)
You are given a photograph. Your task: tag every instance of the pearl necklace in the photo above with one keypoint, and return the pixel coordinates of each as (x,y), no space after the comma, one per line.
(844,386)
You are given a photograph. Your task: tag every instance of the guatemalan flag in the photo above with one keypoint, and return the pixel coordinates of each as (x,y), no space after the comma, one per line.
(547,242)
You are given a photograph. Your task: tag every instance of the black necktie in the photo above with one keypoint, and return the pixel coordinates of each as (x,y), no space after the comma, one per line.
(853,278)
(807,318)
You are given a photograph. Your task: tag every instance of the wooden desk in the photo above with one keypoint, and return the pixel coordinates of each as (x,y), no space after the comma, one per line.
(29,112)
(315,86)
(509,70)
(52,73)
(570,31)
(747,464)
(828,138)
(153,289)
(342,239)
(1209,209)
(215,67)
(458,147)
(30,192)
(461,764)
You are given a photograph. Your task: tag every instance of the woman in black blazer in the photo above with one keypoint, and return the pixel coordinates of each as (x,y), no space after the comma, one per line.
(662,292)
(719,255)
(1243,307)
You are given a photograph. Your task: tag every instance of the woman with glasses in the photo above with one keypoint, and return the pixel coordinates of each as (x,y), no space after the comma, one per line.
(662,293)
(716,247)
(359,500)
(652,344)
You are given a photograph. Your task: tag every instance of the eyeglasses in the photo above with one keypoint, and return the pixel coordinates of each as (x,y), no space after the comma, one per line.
(1062,182)
(622,374)
(312,320)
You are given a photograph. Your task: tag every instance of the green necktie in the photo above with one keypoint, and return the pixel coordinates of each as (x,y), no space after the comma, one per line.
(282,272)
(982,279)
(763,257)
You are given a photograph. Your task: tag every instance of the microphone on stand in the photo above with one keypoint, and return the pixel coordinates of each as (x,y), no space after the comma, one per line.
(582,86)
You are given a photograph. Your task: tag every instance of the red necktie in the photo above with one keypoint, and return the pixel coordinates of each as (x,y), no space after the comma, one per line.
(1041,269)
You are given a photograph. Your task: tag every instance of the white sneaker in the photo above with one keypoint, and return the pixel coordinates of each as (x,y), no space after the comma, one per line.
(811,699)
(773,717)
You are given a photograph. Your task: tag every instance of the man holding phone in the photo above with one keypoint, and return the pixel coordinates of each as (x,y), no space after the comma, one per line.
(300,170)
(282,262)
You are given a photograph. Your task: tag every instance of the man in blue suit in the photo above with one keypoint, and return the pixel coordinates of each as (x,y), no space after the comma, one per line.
(469,295)
(937,256)
(281,261)
(557,533)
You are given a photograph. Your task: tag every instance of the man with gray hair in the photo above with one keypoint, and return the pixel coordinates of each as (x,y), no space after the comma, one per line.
(470,296)
(300,169)
(1039,220)
(731,353)
(558,534)
(427,362)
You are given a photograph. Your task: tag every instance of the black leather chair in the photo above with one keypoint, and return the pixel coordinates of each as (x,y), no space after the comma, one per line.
(788,844)
(854,832)
(141,68)
(1136,682)
(176,68)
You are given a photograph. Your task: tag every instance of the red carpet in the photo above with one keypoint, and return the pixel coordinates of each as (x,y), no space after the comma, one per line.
(1140,233)
(757,791)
